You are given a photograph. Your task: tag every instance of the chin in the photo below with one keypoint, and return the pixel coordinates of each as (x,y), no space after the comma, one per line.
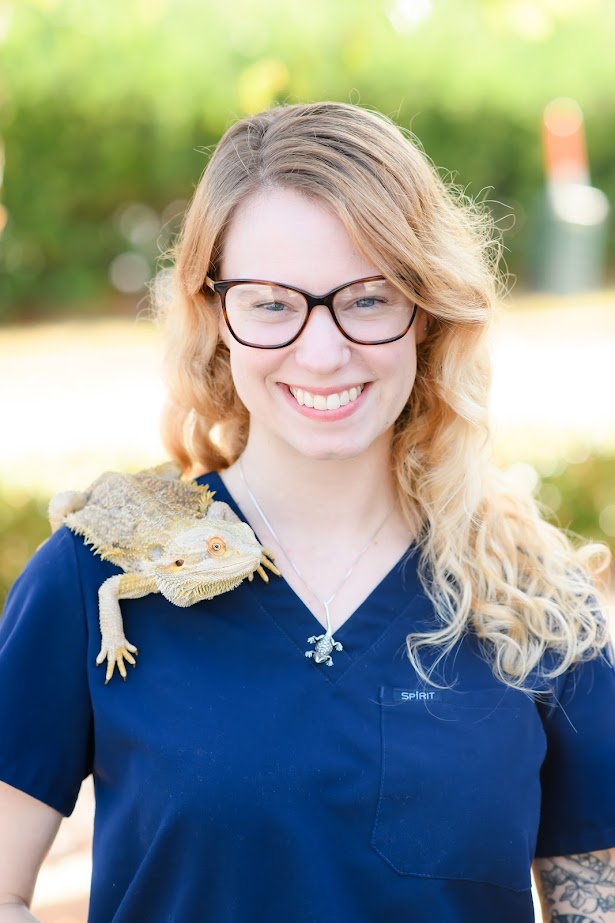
(332,450)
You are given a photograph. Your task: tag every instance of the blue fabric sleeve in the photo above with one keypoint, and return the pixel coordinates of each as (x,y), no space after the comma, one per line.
(45,712)
(578,774)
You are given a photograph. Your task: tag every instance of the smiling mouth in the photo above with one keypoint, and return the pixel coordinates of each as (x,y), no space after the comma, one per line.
(326,401)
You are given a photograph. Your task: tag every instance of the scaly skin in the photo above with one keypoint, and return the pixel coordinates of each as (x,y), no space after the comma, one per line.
(168,536)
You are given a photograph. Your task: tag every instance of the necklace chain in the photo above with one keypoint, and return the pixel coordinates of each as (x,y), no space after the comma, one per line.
(325,602)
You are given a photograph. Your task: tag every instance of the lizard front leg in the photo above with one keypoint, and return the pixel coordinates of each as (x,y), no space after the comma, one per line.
(114,646)
(266,561)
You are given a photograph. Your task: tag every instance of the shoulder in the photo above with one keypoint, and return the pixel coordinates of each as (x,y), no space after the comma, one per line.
(55,581)
(63,555)
(54,562)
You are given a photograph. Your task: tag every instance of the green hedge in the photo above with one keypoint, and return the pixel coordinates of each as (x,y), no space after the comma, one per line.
(109,103)
(23,526)
(579,494)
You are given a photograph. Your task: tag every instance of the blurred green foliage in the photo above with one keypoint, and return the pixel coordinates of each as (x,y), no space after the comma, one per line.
(580,492)
(23,526)
(113,102)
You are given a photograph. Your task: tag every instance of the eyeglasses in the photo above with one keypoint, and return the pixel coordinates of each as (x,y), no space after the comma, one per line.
(268,315)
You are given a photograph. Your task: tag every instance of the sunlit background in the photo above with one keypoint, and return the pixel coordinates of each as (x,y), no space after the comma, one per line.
(108,109)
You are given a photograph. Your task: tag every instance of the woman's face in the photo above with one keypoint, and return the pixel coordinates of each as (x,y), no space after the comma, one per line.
(282,236)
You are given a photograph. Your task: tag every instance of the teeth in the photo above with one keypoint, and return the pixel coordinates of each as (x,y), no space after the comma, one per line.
(326,402)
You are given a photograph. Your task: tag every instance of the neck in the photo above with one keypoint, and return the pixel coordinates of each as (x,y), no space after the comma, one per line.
(331,493)
(335,525)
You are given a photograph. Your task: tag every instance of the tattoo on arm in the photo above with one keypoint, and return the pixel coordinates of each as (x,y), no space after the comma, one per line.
(579,889)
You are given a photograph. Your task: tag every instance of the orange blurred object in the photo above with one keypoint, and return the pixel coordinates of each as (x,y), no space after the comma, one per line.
(564,146)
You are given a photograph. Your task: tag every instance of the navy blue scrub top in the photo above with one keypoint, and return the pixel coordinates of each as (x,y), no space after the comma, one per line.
(237,781)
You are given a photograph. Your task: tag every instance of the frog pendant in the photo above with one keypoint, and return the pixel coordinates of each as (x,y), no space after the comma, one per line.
(324,645)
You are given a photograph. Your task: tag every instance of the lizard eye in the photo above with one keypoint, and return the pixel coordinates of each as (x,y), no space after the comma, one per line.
(179,563)
(216,546)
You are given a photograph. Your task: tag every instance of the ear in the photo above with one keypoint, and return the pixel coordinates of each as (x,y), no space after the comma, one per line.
(421,325)
(154,553)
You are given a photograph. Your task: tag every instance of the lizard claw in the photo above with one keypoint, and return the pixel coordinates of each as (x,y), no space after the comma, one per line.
(267,561)
(115,657)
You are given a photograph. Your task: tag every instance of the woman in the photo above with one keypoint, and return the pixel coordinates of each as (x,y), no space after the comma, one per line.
(395,728)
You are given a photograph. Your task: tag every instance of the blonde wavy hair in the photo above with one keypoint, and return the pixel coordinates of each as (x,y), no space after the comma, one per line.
(488,561)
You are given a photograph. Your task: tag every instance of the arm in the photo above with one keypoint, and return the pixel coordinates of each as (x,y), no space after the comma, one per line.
(27,831)
(577,889)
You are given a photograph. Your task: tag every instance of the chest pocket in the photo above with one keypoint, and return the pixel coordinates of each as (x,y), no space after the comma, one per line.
(460,792)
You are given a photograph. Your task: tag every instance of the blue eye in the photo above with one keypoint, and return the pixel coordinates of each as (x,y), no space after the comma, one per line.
(368,302)
(272,306)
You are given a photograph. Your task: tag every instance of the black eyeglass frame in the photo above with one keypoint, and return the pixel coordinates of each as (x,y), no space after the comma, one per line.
(222,287)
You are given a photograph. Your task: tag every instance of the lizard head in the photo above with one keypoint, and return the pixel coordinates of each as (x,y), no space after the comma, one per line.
(200,561)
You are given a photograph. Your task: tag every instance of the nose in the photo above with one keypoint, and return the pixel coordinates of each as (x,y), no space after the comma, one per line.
(321,346)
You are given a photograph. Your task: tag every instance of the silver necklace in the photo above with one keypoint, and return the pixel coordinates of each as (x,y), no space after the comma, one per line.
(324,644)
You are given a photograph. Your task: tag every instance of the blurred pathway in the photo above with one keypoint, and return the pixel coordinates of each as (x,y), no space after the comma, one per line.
(554,378)
(79,397)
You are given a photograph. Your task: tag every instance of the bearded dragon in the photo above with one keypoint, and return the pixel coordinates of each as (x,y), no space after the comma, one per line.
(168,535)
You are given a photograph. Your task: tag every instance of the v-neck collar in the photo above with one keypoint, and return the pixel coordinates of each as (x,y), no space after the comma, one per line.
(372,618)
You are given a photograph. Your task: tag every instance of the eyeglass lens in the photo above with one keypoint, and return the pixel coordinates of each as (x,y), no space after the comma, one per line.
(264,314)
